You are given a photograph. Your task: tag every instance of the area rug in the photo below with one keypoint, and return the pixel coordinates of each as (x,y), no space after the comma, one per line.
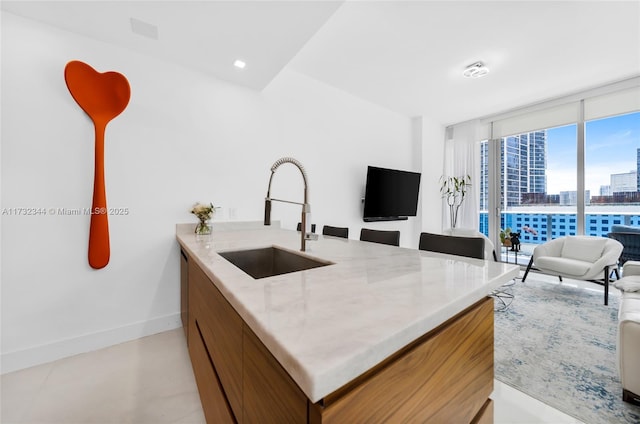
(557,343)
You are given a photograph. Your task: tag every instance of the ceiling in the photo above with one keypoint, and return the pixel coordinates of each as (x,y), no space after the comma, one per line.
(407,56)
(204,35)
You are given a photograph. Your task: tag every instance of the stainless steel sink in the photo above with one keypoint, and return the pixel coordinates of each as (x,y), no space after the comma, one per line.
(270,261)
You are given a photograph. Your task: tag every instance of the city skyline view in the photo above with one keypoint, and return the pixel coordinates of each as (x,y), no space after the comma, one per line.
(540,167)
(610,148)
(538,180)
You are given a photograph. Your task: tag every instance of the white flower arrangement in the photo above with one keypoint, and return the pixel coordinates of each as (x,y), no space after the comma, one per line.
(204,213)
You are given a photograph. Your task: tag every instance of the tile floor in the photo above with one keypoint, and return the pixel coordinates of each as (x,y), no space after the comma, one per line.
(150,381)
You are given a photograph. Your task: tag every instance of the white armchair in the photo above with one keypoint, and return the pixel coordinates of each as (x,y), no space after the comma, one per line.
(578,257)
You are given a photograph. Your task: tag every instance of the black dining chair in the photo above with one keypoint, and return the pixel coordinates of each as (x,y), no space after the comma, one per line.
(313,227)
(470,247)
(630,245)
(328,230)
(391,238)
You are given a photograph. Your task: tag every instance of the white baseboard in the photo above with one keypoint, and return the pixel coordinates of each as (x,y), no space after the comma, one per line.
(17,360)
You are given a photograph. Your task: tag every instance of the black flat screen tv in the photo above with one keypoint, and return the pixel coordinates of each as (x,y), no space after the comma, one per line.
(390,194)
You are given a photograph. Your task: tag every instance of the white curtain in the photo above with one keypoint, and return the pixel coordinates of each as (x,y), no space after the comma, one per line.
(461,158)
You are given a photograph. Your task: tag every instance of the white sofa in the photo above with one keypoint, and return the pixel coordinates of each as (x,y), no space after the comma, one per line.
(578,257)
(628,347)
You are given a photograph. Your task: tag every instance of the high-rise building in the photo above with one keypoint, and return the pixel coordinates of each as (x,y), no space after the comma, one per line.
(570,198)
(552,225)
(638,169)
(523,164)
(624,182)
(484,175)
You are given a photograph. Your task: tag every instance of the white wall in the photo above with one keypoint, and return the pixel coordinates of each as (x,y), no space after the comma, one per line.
(184,137)
(431,136)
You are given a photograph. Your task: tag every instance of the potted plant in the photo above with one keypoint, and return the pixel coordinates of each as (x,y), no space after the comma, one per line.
(454,190)
(505,236)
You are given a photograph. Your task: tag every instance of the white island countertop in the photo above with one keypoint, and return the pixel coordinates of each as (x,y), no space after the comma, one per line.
(328,325)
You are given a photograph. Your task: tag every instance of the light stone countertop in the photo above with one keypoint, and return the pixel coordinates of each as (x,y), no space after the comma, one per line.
(328,325)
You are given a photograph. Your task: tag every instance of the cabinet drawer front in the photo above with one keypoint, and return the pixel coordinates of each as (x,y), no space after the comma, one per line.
(221,329)
(214,403)
(485,416)
(270,394)
(184,293)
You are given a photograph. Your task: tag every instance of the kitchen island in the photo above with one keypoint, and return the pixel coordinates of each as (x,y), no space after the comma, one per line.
(381,334)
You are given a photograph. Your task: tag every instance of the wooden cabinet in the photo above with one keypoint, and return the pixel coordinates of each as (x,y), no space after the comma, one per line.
(446,376)
(220,328)
(270,395)
(485,416)
(184,293)
(212,395)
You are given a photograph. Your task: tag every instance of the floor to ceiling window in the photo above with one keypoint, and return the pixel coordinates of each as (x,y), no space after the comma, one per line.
(537,193)
(612,172)
(538,173)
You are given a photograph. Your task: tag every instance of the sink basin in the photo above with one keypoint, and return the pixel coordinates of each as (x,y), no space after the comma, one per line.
(270,261)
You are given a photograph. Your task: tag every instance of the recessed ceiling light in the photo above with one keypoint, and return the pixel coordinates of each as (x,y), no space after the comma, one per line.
(239,64)
(476,70)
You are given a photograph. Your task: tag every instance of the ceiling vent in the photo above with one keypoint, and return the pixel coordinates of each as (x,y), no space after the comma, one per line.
(145,29)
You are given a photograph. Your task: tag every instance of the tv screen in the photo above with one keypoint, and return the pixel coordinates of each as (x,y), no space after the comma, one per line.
(390,194)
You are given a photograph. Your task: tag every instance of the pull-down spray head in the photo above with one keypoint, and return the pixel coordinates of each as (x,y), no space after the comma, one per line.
(267,203)
(267,212)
